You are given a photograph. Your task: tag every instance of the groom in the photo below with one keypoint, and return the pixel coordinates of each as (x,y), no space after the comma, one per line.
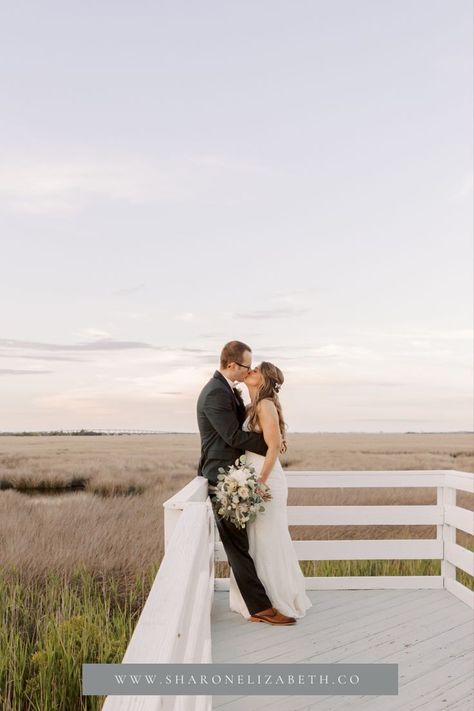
(220,414)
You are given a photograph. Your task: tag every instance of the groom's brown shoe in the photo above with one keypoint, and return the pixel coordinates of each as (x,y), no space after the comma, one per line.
(273,617)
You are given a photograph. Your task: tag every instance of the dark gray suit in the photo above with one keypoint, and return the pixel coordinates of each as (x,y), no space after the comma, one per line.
(220,414)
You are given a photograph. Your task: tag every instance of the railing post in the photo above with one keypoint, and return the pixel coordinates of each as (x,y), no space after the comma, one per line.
(448,570)
(171,518)
(195,490)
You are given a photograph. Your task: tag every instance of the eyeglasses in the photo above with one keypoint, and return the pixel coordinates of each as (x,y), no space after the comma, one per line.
(249,367)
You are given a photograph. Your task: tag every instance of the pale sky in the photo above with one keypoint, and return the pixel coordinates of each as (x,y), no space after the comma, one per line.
(293,174)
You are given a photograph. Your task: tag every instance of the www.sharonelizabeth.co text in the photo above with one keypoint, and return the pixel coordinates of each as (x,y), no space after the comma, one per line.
(189,680)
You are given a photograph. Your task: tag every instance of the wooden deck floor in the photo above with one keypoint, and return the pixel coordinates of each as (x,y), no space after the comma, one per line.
(428,633)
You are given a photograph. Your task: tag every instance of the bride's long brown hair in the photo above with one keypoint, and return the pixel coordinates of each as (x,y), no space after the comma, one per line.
(272,381)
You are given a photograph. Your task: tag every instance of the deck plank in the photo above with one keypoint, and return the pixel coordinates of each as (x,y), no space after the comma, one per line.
(428,633)
(319,630)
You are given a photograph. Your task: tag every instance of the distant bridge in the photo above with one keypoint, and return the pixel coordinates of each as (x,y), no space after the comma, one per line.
(85,432)
(118,431)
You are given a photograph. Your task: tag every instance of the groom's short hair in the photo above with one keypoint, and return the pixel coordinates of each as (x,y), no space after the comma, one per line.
(233,352)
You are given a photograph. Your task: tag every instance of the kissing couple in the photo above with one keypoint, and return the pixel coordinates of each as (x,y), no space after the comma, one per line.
(266,583)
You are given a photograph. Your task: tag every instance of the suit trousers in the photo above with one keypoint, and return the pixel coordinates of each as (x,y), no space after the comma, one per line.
(236,545)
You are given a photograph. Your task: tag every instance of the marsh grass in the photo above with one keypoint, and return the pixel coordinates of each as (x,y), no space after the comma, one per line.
(53,625)
(77,567)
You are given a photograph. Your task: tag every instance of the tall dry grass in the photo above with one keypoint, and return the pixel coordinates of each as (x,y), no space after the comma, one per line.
(115,523)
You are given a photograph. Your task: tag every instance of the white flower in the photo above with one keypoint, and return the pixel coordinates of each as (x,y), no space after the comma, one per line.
(239,476)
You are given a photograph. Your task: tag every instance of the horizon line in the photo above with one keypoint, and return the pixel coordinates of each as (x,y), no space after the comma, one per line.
(130,430)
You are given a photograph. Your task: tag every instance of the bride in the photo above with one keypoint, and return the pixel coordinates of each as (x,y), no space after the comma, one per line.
(270,543)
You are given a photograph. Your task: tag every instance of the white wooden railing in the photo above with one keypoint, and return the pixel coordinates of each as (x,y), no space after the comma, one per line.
(445,514)
(175,623)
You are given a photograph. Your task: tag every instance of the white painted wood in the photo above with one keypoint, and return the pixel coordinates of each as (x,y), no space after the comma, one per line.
(428,647)
(463,481)
(337,630)
(460,557)
(378,479)
(440,504)
(171,518)
(327,605)
(364,515)
(210,556)
(199,631)
(459,518)
(445,515)
(195,490)
(460,591)
(385,642)
(174,625)
(331,622)
(448,569)
(424,689)
(465,702)
(362,582)
(396,549)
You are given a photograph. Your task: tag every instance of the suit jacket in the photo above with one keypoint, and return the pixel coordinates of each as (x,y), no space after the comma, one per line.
(220,415)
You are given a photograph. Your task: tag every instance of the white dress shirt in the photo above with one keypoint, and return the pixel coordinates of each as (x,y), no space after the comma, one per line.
(231,384)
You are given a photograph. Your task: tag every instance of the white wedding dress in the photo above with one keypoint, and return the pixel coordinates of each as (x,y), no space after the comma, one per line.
(272,550)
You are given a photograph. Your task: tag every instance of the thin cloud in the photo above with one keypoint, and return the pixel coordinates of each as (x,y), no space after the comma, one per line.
(102,344)
(12,349)
(92,333)
(279,349)
(43,357)
(394,419)
(130,290)
(460,334)
(285,312)
(54,186)
(465,334)
(344,382)
(14,371)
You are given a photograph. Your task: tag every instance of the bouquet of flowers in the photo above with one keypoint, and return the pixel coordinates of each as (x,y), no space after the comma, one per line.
(239,496)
